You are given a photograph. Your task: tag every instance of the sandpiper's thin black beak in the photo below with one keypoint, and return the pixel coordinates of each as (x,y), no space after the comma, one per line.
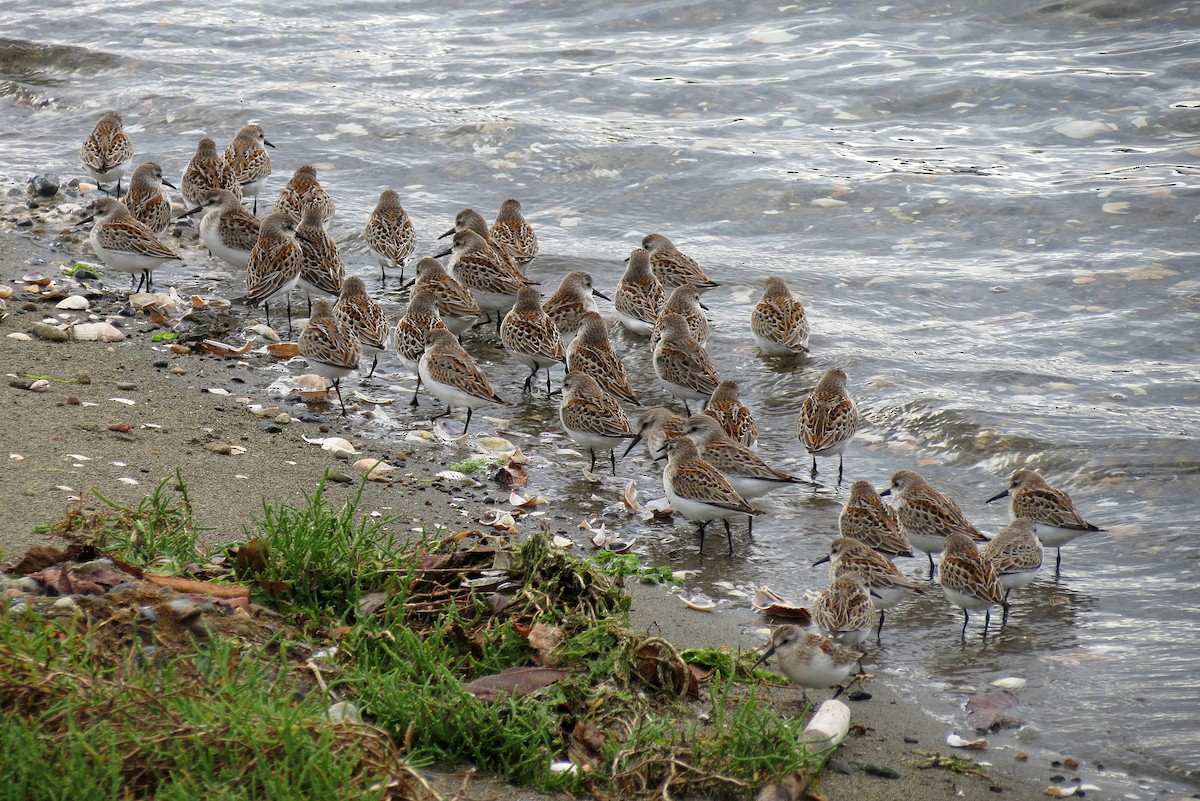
(448,233)
(189,212)
(770,652)
(632,443)
(885,493)
(445,252)
(268,144)
(165,182)
(821,561)
(997,497)
(600,295)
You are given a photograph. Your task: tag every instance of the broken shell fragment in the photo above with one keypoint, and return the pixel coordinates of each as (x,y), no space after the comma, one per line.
(768,602)
(954,741)
(532,502)
(335,445)
(375,469)
(630,497)
(284,350)
(374,400)
(698,602)
(266,332)
(494,445)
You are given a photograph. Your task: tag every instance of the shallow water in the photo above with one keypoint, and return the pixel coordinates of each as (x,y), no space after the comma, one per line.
(988,209)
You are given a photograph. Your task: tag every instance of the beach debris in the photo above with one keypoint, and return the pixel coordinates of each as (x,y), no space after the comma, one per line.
(768,602)
(526,503)
(266,332)
(657,511)
(500,520)
(1054,791)
(284,350)
(50,333)
(37,279)
(120,427)
(218,348)
(827,728)
(515,682)
(374,400)
(1009,683)
(443,432)
(225,449)
(97,332)
(700,603)
(258,410)
(954,741)
(376,469)
(986,710)
(20,336)
(335,445)
(73,303)
(559,541)
(630,497)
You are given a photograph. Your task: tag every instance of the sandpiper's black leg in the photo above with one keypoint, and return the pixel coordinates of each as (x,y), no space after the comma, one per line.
(468,425)
(702,527)
(729,537)
(966,620)
(612,458)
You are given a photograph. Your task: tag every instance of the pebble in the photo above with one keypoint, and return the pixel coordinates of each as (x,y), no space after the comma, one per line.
(50,333)
(83,378)
(46,185)
(270,427)
(126,386)
(283,418)
(30,585)
(66,602)
(177,370)
(148,614)
(344,712)
(18,606)
(339,477)
(127,585)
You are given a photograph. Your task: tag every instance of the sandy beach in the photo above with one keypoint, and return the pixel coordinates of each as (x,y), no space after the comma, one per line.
(118,418)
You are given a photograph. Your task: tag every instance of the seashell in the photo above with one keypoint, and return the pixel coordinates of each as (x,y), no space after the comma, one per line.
(1010,683)
(559,541)
(37,279)
(375,469)
(590,477)
(768,602)
(629,497)
(657,510)
(125,401)
(419,435)
(5,292)
(217,391)
(200,301)
(284,350)
(334,445)
(258,410)
(494,445)
(516,458)
(567,452)
(373,400)
(73,303)
(619,545)
(443,432)
(97,332)
(1060,792)
(146,300)
(225,449)
(266,332)
(698,602)
(20,337)
(40,385)
(497,518)
(456,476)
(222,349)
(131,481)
(954,741)
(532,502)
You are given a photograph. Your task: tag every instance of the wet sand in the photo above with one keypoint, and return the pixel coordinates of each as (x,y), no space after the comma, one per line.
(175,418)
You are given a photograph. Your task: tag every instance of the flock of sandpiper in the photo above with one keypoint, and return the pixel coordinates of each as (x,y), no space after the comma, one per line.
(712,470)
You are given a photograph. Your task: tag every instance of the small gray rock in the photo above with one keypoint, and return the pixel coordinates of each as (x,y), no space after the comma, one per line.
(46,185)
